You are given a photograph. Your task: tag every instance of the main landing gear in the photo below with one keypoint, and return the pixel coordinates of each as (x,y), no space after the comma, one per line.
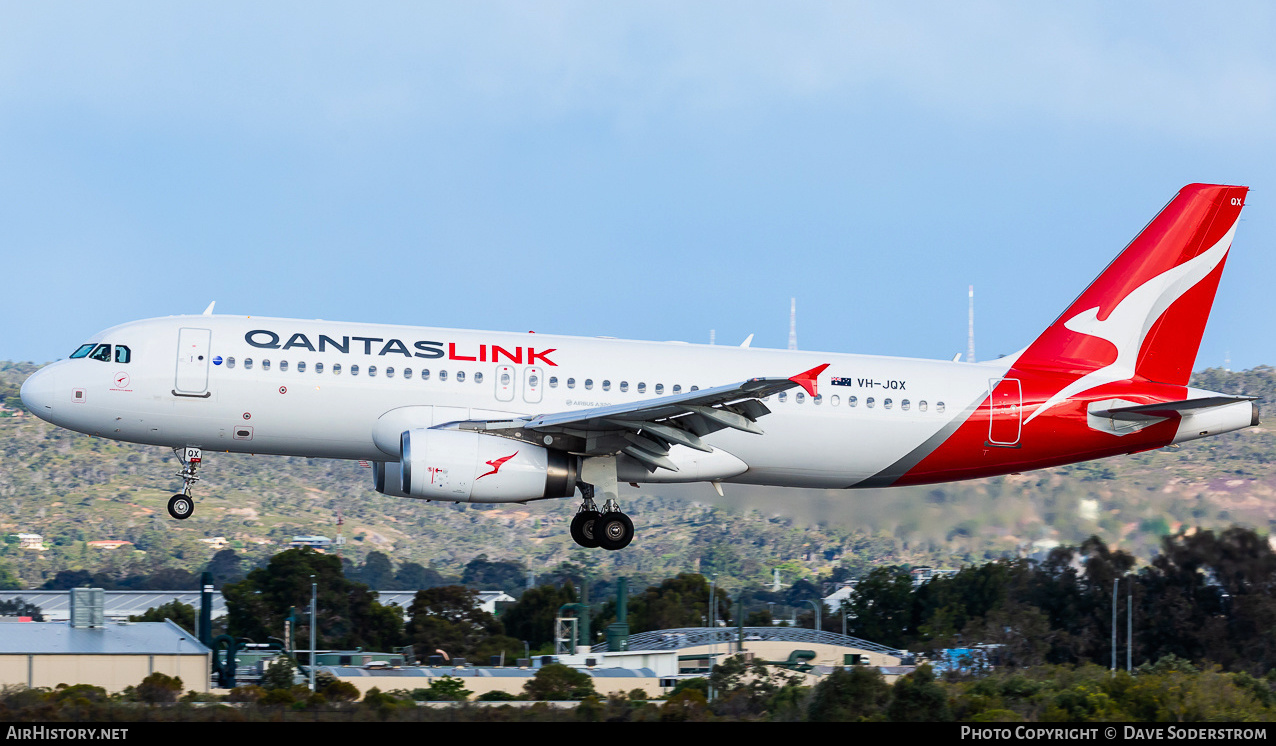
(608,528)
(181,505)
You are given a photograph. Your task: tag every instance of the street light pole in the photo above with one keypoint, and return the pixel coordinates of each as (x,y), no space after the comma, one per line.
(314,590)
(816,607)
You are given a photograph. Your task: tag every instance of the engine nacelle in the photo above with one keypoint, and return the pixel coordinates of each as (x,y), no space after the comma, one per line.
(463,466)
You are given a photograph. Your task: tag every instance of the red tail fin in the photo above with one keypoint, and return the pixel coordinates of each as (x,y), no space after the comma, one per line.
(1143,317)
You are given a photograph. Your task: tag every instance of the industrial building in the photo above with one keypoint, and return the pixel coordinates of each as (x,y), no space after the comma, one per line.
(89,649)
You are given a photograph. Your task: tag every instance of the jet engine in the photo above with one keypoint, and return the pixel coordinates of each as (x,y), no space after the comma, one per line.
(462,466)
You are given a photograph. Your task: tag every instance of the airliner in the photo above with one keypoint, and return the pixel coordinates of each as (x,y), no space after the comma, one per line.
(503,417)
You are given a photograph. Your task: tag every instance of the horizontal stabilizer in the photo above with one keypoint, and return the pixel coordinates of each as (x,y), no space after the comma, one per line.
(1165,409)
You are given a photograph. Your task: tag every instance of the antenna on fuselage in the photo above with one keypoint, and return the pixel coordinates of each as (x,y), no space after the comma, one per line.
(209,311)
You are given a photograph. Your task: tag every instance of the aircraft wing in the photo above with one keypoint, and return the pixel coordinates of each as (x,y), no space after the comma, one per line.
(647,428)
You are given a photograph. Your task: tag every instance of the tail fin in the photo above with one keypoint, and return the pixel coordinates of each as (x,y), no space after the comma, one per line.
(1143,317)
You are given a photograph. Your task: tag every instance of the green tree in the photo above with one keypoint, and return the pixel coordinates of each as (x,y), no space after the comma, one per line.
(531,618)
(415,577)
(181,614)
(917,697)
(348,613)
(682,601)
(225,567)
(882,607)
(482,574)
(159,687)
(449,619)
(376,572)
(849,694)
(447,689)
(19,607)
(557,682)
(279,674)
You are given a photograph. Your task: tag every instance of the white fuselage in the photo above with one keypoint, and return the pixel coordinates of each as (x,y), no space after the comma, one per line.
(272,386)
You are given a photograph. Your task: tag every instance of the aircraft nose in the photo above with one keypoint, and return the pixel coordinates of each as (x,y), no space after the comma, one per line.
(38,392)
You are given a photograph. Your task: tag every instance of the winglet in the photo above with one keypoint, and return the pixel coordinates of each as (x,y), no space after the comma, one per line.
(807,380)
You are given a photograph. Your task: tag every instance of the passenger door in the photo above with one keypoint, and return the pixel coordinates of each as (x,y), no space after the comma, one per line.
(192,362)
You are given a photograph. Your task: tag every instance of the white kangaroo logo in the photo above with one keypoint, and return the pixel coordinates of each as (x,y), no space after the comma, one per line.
(1128,324)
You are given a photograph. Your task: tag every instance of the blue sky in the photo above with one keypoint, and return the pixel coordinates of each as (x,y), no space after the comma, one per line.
(647,170)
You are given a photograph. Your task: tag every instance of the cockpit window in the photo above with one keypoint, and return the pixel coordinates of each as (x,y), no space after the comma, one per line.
(123,354)
(101,352)
(83,351)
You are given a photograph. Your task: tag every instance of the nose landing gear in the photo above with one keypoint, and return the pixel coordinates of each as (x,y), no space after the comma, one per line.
(181,505)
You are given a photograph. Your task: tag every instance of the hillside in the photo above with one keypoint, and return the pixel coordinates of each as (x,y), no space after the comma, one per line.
(74,488)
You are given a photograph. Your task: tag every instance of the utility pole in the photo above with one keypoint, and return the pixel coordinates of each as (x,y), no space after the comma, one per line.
(1129,625)
(1115,581)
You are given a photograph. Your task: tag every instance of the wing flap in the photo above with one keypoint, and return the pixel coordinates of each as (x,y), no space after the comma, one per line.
(646,428)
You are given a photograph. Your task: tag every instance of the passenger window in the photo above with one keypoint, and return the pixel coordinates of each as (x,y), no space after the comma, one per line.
(921,406)
(230,362)
(868,402)
(283,365)
(571,383)
(533,380)
(425,374)
(677,388)
(407,372)
(443,375)
(834,400)
(886,403)
(265,365)
(783,396)
(818,398)
(606,385)
(660,388)
(939,407)
(301,367)
(505,379)
(589,384)
(460,376)
(122,354)
(336,369)
(624,386)
(354,370)
(248,363)
(103,353)
(82,351)
(372,371)
(318,367)
(553,382)
(389,372)
(801,397)
(478,378)
(695,388)
(642,387)
(852,401)
(903,404)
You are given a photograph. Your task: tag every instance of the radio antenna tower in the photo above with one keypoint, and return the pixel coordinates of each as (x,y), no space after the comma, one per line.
(970,329)
(792,323)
